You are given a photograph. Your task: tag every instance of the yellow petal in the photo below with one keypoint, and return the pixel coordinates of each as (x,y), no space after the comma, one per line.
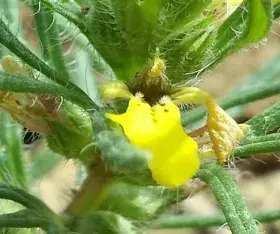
(158,130)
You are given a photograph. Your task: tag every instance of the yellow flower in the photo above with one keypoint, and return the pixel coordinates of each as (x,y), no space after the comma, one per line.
(157,129)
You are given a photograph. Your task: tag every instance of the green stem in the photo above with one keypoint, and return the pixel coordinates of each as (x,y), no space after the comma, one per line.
(49,37)
(184,221)
(232,203)
(88,197)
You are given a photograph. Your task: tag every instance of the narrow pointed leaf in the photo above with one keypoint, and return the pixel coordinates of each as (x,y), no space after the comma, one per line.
(14,45)
(21,84)
(49,37)
(26,218)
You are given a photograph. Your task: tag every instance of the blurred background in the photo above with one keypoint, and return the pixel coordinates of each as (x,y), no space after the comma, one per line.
(256,176)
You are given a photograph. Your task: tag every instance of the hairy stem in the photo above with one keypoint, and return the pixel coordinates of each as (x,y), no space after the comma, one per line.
(88,197)
(232,203)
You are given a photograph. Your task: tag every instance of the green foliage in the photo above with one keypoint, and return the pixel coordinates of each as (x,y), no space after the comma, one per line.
(266,121)
(184,221)
(76,125)
(131,156)
(12,166)
(105,222)
(49,38)
(19,83)
(131,205)
(35,208)
(117,40)
(189,42)
(26,218)
(229,198)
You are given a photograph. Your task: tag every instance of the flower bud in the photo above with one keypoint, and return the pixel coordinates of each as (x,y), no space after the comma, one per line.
(113,90)
(67,127)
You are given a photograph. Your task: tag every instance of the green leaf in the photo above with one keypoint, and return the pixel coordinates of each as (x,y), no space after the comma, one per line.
(276,12)
(70,11)
(82,72)
(199,45)
(5,170)
(137,20)
(49,37)
(127,33)
(122,157)
(21,84)
(119,154)
(42,23)
(255,92)
(191,221)
(17,195)
(257,148)
(228,196)
(266,121)
(126,200)
(254,12)
(85,65)
(178,13)
(14,45)
(251,138)
(105,222)
(26,218)
(15,153)
(12,165)
(248,24)
(258,144)
(108,39)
